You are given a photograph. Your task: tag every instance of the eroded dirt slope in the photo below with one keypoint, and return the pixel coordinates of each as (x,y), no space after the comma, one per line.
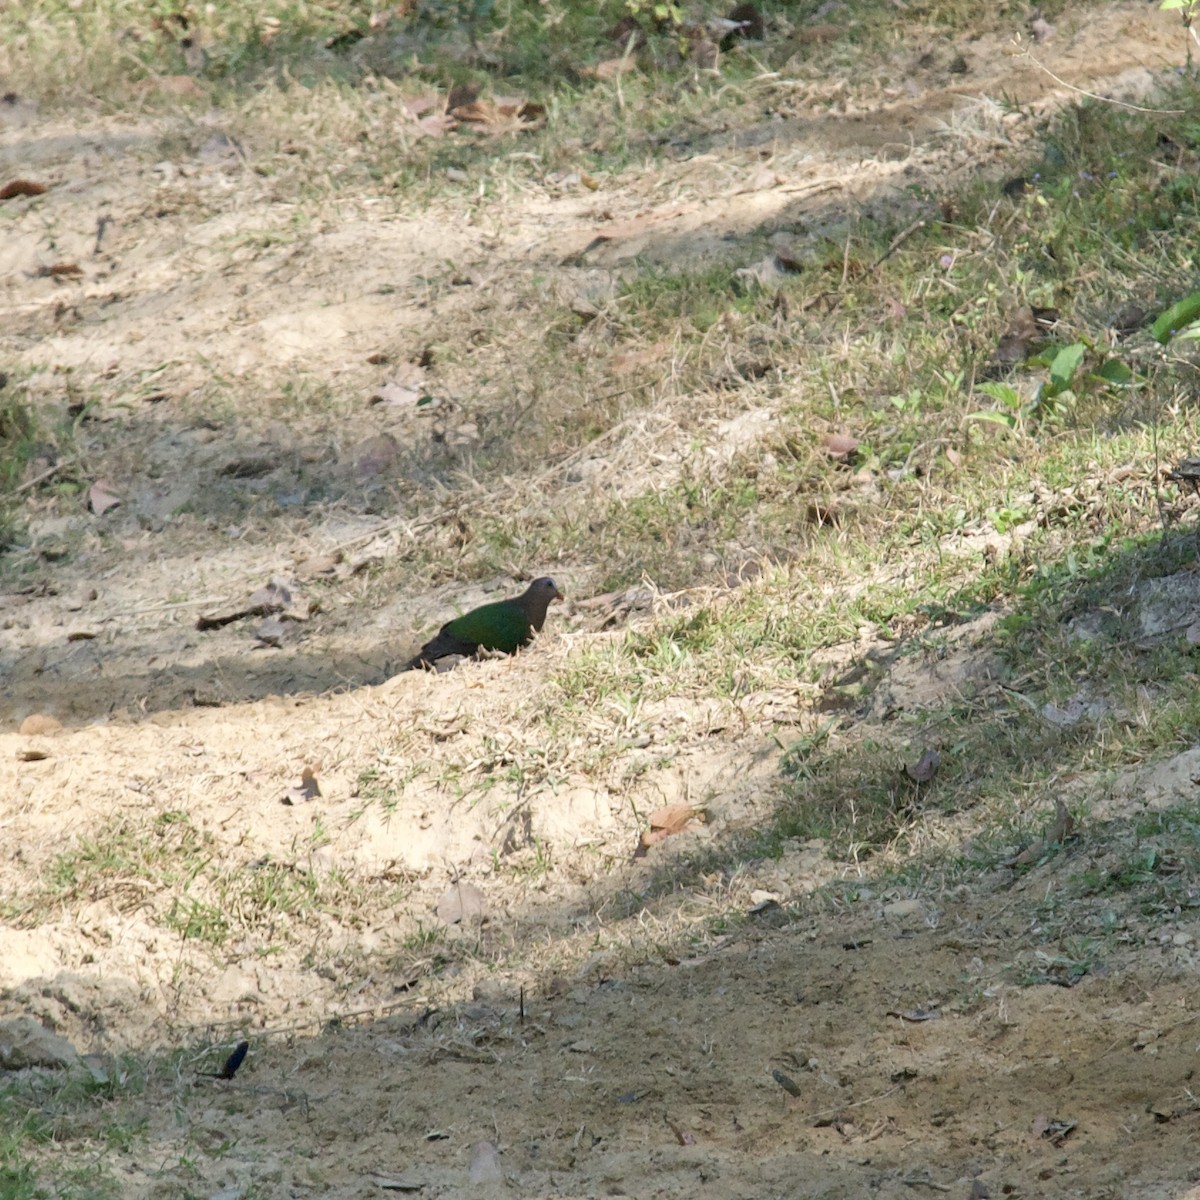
(634,1071)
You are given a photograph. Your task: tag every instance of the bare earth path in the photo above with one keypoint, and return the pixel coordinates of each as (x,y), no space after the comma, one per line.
(636,1069)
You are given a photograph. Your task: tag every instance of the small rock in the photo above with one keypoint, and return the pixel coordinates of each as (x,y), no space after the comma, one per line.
(485,1164)
(26,1043)
(40,724)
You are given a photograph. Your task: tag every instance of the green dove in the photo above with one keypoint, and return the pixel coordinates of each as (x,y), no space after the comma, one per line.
(503,625)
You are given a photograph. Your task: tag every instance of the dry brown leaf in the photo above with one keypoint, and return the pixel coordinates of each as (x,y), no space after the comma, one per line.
(839,446)
(923,770)
(674,818)
(666,822)
(610,68)
(435,125)
(22,187)
(101,497)
(308,790)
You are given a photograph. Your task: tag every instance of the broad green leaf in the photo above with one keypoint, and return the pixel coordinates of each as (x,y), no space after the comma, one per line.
(1006,419)
(1008,396)
(1066,363)
(1181,313)
(1113,370)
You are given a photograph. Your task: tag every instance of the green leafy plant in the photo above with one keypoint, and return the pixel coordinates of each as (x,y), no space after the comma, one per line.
(1068,378)
(1181,320)
(660,13)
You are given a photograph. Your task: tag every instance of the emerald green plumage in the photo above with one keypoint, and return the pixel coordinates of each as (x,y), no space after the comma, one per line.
(503,625)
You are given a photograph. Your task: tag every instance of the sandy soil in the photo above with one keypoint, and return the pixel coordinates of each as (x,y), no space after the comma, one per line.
(921,1058)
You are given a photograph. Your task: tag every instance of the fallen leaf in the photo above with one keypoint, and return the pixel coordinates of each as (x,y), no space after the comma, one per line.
(839,446)
(923,770)
(610,68)
(101,497)
(39,724)
(308,790)
(22,187)
(674,818)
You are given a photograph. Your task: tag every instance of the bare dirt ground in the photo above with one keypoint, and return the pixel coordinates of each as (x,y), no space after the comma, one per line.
(922,1059)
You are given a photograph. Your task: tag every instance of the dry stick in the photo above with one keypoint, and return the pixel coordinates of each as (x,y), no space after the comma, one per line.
(32,483)
(1158,112)
(833,1112)
(898,241)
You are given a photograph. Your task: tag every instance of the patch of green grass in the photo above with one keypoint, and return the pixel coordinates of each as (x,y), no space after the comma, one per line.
(40,1110)
(171,864)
